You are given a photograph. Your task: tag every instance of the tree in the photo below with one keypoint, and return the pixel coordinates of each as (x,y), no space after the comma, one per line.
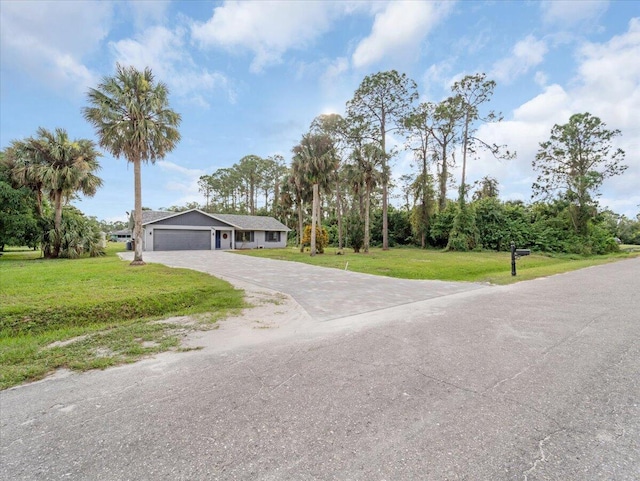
(18,223)
(67,167)
(379,104)
(275,171)
(250,170)
(575,161)
(370,159)
(130,112)
(487,188)
(419,130)
(334,126)
(53,163)
(317,155)
(205,187)
(25,171)
(473,91)
(446,117)
(299,185)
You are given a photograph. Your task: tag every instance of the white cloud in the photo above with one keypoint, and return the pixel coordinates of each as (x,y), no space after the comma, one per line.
(267,29)
(398,29)
(164,51)
(169,166)
(437,77)
(44,39)
(609,78)
(335,70)
(527,53)
(569,13)
(606,84)
(146,13)
(182,180)
(541,78)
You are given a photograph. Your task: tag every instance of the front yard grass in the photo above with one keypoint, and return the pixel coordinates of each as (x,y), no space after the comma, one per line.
(414,263)
(97,312)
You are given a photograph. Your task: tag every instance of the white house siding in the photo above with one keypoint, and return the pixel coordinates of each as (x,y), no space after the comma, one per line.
(259,241)
(225,244)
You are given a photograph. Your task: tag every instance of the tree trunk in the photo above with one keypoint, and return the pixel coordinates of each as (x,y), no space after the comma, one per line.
(57,224)
(339,213)
(385,219)
(385,187)
(314,214)
(424,212)
(137,213)
(251,196)
(367,203)
(300,224)
(463,187)
(39,202)
(276,198)
(444,173)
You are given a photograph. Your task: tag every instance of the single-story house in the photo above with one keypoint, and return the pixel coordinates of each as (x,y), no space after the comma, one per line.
(198,230)
(123,235)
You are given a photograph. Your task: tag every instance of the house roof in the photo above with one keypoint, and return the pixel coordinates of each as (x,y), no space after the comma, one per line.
(149,216)
(251,222)
(242,222)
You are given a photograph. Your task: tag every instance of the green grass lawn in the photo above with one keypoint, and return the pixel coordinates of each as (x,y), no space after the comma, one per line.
(413,263)
(103,304)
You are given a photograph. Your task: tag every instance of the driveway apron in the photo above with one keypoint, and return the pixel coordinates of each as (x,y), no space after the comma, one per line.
(324,293)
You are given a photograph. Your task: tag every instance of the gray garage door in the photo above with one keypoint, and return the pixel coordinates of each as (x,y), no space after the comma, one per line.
(181,240)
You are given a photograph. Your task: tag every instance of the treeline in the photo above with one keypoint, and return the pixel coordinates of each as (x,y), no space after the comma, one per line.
(340,177)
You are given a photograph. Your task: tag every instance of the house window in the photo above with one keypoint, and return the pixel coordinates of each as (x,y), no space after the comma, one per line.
(244,236)
(270,236)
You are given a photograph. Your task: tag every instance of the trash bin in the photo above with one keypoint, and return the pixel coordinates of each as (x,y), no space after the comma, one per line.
(128,245)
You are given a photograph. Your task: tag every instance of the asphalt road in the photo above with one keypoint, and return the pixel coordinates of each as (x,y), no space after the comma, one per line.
(539,380)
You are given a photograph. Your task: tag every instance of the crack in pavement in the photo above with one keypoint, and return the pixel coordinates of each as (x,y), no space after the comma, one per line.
(542,457)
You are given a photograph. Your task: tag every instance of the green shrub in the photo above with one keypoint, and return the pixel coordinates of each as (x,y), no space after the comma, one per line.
(322,238)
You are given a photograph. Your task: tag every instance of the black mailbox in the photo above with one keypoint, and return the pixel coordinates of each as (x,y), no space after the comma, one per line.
(515,253)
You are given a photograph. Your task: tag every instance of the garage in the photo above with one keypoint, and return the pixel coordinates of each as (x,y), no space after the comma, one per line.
(181,239)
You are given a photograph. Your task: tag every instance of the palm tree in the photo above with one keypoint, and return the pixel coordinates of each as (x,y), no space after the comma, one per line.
(317,154)
(131,114)
(369,158)
(298,183)
(68,168)
(54,163)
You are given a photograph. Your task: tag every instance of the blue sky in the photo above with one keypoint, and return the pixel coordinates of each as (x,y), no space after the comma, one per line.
(249,77)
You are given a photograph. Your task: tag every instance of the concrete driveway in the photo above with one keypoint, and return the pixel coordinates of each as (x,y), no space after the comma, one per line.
(324,293)
(538,380)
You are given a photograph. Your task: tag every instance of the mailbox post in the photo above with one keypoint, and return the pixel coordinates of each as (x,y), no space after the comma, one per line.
(516,253)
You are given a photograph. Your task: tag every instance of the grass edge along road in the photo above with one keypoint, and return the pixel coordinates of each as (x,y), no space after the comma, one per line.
(430,264)
(98,312)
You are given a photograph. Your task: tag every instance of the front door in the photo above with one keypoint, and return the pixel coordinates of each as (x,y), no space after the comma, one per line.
(217,239)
